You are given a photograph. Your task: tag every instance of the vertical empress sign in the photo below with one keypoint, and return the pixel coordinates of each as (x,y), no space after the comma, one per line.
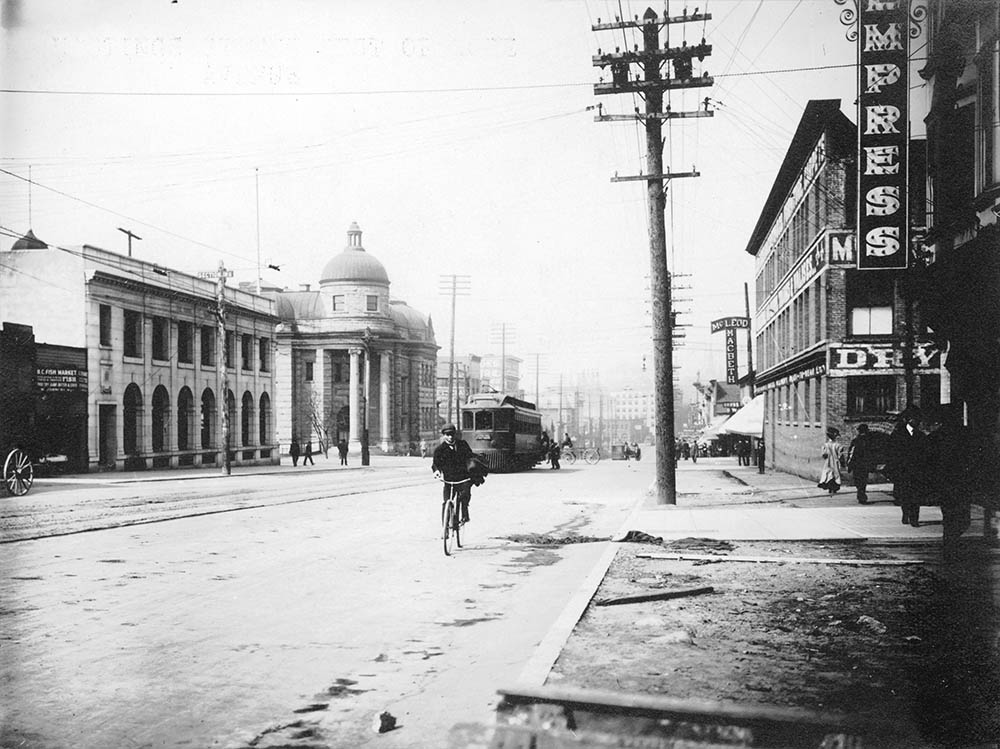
(883,134)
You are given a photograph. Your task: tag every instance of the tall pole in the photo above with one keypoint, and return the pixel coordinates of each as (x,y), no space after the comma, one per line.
(220,364)
(651,86)
(503,357)
(663,360)
(454,285)
(131,235)
(256,180)
(751,375)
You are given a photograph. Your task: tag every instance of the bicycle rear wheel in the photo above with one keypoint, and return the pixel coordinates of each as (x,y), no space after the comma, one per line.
(568,456)
(592,456)
(449,526)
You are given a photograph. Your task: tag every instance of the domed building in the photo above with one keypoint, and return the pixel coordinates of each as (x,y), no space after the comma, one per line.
(352,359)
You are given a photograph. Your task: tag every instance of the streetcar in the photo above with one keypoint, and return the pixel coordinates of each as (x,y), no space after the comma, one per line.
(503,431)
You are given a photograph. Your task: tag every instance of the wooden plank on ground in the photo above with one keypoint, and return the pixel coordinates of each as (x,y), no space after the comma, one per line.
(665,595)
(790,560)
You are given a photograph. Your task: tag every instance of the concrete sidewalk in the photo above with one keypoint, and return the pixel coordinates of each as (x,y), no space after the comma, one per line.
(717,499)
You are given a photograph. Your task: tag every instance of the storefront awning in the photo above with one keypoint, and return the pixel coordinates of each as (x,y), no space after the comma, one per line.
(713,431)
(748,421)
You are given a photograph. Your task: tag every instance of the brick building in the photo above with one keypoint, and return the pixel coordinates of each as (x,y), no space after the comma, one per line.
(150,370)
(831,340)
(351,359)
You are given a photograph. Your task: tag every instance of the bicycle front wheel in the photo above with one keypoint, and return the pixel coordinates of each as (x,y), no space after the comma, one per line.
(448,526)
(568,457)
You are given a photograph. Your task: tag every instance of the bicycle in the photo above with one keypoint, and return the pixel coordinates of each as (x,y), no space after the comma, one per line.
(592,455)
(451,522)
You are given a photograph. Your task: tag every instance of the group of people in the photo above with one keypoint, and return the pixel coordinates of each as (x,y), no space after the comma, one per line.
(631,450)
(552,449)
(295,451)
(929,459)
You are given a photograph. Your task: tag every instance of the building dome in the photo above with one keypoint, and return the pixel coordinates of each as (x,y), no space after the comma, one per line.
(354,264)
(407,318)
(29,242)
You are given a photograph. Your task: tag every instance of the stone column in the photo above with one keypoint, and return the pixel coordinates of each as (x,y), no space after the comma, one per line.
(354,441)
(385,401)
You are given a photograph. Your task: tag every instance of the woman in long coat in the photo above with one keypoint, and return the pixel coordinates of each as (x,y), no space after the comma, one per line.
(833,457)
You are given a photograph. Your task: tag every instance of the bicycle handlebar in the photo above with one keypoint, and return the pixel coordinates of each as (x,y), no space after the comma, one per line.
(453,483)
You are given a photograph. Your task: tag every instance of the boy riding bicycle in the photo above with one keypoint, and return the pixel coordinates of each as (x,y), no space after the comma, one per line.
(452,459)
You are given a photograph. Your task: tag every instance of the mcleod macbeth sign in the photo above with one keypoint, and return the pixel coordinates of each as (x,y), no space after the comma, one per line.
(730,325)
(883,133)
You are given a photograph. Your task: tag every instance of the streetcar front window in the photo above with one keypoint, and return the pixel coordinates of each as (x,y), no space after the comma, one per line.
(484,420)
(466,420)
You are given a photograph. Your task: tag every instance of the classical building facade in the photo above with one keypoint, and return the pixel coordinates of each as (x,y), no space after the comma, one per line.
(354,362)
(153,381)
(835,346)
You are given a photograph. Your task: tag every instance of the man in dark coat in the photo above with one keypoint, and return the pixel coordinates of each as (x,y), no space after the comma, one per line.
(861,461)
(295,451)
(452,461)
(949,467)
(906,464)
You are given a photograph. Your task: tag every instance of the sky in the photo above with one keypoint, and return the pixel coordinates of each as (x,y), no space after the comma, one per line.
(460,136)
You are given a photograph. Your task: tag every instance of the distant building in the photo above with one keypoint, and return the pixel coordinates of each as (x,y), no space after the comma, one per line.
(830,339)
(502,374)
(150,374)
(467,380)
(633,415)
(353,360)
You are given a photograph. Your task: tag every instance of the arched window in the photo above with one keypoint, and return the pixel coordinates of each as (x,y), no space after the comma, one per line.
(231,411)
(132,421)
(185,418)
(161,418)
(246,420)
(207,419)
(264,417)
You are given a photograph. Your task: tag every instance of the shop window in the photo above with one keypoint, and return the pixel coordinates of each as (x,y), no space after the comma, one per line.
(185,342)
(133,334)
(105,315)
(871,396)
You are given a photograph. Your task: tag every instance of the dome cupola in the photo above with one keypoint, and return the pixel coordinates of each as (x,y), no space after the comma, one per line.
(354,265)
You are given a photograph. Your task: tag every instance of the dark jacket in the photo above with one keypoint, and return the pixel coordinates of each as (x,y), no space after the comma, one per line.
(453,461)
(861,456)
(906,466)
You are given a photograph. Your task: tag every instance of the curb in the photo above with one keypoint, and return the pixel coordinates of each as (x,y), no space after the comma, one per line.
(547,652)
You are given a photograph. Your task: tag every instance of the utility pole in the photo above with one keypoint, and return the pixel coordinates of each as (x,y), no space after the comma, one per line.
(130,236)
(220,363)
(500,331)
(651,85)
(256,182)
(538,365)
(454,285)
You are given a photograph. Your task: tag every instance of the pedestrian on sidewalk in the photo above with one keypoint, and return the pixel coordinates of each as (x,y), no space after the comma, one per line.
(949,466)
(833,458)
(760,456)
(905,466)
(342,450)
(294,450)
(307,456)
(861,461)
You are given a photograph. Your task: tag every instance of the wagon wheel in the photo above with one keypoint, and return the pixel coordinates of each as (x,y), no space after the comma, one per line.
(18,474)
(592,456)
